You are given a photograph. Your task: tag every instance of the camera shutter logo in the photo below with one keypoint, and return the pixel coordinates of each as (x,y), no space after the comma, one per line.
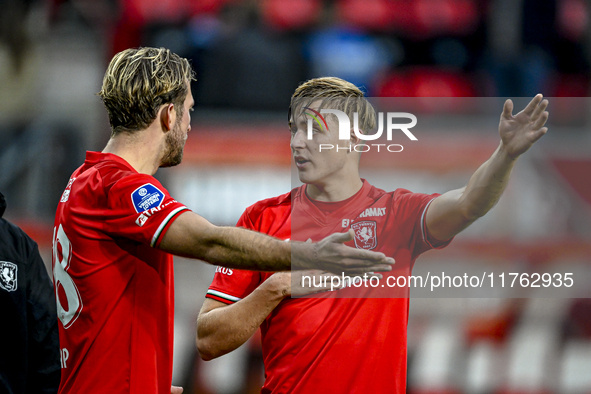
(8,272)
(345,124)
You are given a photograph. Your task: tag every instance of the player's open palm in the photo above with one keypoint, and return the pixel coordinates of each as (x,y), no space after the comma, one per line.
(292,283)
(519,132)
(333,256)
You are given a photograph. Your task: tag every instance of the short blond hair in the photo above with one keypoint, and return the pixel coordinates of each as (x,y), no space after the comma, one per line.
(335,93)
(139,81)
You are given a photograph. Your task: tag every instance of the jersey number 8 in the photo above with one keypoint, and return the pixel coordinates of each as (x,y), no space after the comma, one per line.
(69,303)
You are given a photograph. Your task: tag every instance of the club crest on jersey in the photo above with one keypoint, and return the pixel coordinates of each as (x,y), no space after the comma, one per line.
(365,234)
(8,273)
(146,197)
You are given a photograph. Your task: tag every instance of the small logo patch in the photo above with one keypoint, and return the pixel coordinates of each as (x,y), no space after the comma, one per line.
(8,273)
(141,220)
(365,234)
(146,197)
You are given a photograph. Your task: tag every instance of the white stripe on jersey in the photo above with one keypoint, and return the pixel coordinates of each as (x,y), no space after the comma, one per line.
(223,295)
(163,224)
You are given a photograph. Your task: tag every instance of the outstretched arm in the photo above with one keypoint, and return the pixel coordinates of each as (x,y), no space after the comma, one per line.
(190,235)
(455,210)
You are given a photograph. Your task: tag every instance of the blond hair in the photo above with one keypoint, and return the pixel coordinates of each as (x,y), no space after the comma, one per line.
(139,81)
(335,93)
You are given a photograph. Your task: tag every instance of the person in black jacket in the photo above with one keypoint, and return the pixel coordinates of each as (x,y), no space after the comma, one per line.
(29,350)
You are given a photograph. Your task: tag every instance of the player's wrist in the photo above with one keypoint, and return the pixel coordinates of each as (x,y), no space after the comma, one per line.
(303,255)
(505,152)
(276,287)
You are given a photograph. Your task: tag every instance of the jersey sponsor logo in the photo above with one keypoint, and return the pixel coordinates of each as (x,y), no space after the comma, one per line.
(143,217)
(365,234)
(224,270)
(66,194)
(141,220)
(146,197)
(8,272)
(373,212)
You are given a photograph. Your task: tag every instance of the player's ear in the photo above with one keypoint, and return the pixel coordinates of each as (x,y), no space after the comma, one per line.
(167,117)
(354,138)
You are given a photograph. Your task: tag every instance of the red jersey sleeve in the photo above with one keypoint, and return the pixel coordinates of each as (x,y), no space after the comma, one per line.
(231,285)
(410,217)
(140,208)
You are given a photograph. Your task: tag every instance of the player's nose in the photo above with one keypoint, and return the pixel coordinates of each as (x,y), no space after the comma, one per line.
(298,140)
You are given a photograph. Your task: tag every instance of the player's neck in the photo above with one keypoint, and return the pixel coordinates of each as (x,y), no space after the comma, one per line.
(337,189)
(141,151)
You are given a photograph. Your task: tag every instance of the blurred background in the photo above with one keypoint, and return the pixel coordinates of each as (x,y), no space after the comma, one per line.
(249,57)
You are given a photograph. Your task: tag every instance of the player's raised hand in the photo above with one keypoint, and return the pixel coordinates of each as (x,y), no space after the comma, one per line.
(330,254)
(519,132)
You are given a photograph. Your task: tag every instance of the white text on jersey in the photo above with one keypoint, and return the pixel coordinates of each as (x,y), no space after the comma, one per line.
(373,212)
(224,270)
(143,217)
(64,354)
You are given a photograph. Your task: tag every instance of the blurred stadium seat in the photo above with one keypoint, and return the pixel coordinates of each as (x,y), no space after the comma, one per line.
(291,14)
(426,82)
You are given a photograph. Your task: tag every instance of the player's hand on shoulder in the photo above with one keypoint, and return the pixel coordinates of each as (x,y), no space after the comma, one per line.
(519,132)
(334,256)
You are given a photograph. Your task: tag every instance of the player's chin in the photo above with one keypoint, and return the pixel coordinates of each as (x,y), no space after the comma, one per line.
(305,177)
(172,161)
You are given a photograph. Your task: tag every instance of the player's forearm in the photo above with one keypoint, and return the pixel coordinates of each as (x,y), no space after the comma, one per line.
(486,185)
(250,250)
(190,235)
(518,133)
(224,329)
(243,249)
(455,210)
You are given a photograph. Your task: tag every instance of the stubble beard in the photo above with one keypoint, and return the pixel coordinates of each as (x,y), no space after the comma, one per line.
(175,143)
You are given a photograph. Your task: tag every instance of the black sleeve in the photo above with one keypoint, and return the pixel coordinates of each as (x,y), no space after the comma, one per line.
(43,359)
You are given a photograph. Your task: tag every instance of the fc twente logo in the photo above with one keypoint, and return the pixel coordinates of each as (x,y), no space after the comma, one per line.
(8,273)
(365,234)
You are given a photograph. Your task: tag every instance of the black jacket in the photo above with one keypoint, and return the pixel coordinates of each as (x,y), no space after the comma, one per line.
(29,339)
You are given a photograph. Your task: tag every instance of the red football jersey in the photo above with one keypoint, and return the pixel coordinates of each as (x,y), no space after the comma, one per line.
(114,289)
(350,340)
